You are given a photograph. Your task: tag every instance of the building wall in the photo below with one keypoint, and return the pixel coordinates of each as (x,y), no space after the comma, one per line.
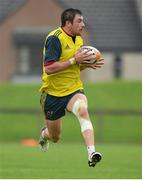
(132,66)
(131,63)
(139,5)
(28,15)
(36,14)
(103,74)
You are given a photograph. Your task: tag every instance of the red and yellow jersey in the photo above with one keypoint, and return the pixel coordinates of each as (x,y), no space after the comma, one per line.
(67,81)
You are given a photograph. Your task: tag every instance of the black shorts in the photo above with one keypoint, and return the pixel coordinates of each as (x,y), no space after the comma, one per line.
(54,107)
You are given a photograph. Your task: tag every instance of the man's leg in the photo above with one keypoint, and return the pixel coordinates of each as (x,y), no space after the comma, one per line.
(51,132)
(78,105)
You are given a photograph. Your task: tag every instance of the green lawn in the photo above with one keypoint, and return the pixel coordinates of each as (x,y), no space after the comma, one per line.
(121,135)
(113,95)
(69,160)
(109,129)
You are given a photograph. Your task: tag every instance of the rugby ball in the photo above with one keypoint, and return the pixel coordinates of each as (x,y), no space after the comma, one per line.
(96,54)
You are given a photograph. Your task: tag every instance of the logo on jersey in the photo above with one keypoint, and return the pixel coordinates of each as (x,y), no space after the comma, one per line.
(67,47)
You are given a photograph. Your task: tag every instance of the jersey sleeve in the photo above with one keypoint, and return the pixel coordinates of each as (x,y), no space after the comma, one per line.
(52,49)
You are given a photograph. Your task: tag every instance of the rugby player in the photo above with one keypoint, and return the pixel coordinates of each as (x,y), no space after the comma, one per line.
(62,88)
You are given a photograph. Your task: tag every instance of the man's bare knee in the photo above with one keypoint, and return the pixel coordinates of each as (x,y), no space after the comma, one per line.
(83,112)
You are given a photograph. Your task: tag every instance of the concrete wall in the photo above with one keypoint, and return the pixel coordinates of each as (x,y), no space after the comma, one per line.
(132,66)
(139,5)
(103,74)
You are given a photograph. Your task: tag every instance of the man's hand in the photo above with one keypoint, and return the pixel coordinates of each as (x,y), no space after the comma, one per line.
(82,57)
(97,65)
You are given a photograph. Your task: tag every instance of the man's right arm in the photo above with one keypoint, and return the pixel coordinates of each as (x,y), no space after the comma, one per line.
(55,67)
(52,55)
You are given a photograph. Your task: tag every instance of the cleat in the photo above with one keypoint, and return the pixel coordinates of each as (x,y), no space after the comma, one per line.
(44,144)
(95,158)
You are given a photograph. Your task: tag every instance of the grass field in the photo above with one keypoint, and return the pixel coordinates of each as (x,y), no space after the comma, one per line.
(113,129)
(122,135)
(114,95)
(68,160)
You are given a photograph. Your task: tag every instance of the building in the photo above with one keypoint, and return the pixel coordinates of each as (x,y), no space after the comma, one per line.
(112,27)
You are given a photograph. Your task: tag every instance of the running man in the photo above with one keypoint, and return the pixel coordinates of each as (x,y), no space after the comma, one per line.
(62,88)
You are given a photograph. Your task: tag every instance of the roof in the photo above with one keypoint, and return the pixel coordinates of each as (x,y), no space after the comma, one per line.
(113,25)
(8,7)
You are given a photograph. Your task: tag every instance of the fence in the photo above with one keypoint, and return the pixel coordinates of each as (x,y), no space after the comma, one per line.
(102,129)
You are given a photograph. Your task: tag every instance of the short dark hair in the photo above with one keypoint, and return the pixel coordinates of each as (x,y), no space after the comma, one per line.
(68,15)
